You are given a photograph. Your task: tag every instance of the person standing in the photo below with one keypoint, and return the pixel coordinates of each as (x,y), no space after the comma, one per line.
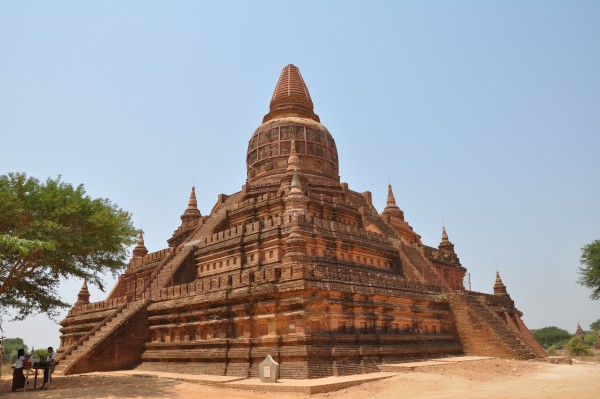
(18,381)
(51,363)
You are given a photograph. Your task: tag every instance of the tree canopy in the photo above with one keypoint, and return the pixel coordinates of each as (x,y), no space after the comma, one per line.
(595,326)
(589,271)
(11,346)
(576,347)
(548,336)
(51,231)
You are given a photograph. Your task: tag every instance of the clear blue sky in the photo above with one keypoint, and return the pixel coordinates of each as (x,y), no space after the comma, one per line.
(485,116)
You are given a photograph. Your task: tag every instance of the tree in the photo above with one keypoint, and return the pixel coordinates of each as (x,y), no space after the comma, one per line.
(595,326)
(576,347)
(548,336)
(591,338)
(49,231)
(41,353)
(11,346)
(589,271)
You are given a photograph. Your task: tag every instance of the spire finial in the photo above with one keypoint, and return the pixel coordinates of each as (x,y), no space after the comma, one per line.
(192,212)
(444,234)
(83,297)
(499,287)
(391,208)
(445,245)
(193,203)
(391,200)
(140,249)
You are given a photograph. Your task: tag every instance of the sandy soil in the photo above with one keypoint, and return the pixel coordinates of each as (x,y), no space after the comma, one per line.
(492,378)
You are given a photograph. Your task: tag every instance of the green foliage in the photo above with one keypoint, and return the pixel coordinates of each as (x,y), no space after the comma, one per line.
(591,338)
(549,336)
(589,271)
(51,231)
(576,347)
(552,350)
(40,353)
(11,346)
(595,326)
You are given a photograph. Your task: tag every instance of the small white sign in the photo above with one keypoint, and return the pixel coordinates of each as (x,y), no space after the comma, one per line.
(267,371)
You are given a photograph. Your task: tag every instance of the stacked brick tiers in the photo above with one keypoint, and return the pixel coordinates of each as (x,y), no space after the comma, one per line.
(297,266)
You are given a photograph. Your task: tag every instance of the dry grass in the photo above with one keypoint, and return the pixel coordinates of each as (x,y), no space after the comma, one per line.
(6,370)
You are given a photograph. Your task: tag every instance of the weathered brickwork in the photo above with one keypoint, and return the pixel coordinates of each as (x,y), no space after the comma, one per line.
(297,266)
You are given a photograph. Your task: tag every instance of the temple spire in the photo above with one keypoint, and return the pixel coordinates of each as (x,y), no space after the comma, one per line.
(83,297)
(291,97)
(140,249)
(499,287)
(580,333)
(445,245)
(192,211)
(391,206)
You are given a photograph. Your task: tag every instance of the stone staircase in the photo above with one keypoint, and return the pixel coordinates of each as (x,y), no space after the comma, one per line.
(420,267)
(86,344)
(483,332)
(108,328)
(80,356)
(163,274)
(218,215)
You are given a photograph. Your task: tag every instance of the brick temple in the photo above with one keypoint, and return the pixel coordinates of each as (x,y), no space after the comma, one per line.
(296,265)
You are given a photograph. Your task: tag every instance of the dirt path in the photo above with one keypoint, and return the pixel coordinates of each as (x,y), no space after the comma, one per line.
(493,378)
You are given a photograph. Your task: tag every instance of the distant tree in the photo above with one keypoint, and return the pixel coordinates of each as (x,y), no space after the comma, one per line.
(51,231)
(595,326)
(589,271)
(549,336)
(591,337)
(40,353)
(576,347)
(11,346)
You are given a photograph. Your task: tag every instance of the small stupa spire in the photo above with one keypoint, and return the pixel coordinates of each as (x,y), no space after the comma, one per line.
(296,185)
(83,297)
(499,287)
(391,208)
(293,161)
(192,211)
(580,333)
(445,245)
(295,200)
(140,249)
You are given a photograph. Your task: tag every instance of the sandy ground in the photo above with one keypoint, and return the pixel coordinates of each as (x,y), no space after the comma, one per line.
(491,378)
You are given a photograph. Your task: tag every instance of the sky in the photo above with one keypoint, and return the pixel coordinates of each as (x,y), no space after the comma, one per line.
(484,116)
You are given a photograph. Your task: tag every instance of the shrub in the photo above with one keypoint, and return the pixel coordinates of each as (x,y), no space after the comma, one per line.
(576,347)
